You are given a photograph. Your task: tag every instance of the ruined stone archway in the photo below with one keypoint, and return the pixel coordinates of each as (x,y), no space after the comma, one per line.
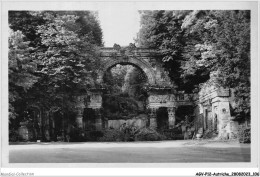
(160,89)
(144,59)
(142,65)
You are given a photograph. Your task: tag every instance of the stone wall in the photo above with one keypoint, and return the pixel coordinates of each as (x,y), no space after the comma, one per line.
(140,121)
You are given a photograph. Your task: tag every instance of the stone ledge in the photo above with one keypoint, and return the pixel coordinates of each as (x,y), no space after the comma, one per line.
(138,52)
(184,103)
(213,94)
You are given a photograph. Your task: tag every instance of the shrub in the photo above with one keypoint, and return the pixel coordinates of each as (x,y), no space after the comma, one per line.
(13,136)
(131,133)
(112,135)
(173,134)
(209,134)
(76,135)
(148,134)
(94,135)
(244,134)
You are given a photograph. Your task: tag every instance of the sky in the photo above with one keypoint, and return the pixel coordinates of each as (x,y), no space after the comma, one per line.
(119,24)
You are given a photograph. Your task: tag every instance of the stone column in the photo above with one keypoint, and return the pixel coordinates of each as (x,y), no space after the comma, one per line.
(98,119)
(79,118)
(80,109)
(171,117)
(47,127)
(152,118)
(105,123)
(205,119)
(52,127)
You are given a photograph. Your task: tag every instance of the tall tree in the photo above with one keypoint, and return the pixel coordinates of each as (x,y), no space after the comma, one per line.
(161,30)
(64,47)
(194,43)
(21,69)
(221,41)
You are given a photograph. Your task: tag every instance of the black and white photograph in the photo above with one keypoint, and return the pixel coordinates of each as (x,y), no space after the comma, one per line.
(130,84)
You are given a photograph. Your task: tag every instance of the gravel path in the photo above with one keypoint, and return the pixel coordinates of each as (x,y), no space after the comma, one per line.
(130,152)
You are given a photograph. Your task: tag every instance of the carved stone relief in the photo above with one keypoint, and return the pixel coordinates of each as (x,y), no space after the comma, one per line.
(161,98)
(95,98)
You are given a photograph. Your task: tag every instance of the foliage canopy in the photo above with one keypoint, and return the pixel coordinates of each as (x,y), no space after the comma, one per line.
(194,43)
(52,55)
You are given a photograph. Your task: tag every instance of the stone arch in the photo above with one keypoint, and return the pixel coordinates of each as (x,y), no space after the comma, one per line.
(141,64)
(160,91)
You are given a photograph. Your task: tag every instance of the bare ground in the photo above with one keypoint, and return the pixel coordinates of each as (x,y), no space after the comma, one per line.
(130,152)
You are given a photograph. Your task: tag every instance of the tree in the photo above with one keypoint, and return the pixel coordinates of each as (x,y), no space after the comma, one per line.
(64,54)
(161,30)
(221,42)
(194,43)
(21,69)
(26,22)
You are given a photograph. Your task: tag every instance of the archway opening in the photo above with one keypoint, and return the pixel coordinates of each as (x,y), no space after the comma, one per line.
(162,118)
(89,119)
(126,98)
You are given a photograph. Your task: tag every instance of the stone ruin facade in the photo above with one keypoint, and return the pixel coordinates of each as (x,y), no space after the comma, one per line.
(161,91)
(211,103)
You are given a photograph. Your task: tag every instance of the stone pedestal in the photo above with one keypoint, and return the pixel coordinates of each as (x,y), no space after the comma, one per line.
(171,117)
(152,118)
